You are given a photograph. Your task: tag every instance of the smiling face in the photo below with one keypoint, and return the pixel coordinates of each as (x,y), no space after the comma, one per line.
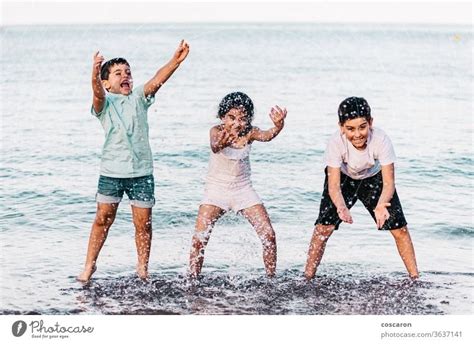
(120,79)
(235,120)
(357,131)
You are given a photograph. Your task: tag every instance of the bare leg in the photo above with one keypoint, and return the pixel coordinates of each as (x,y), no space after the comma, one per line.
(317,246)
(143,232)
(104,218)
(406,250)
(207,217)
(258,217)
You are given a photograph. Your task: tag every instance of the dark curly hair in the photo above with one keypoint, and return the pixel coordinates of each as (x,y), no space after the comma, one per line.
(237,100)
(353,107)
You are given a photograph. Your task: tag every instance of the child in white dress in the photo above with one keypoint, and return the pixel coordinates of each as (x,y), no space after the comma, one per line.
(228,184)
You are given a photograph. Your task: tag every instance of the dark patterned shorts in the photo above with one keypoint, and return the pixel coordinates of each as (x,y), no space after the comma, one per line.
(368,192)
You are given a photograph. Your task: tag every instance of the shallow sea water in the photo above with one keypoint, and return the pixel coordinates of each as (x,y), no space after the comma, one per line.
(417,79)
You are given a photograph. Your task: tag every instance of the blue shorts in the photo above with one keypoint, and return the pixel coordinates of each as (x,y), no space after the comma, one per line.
(140,190)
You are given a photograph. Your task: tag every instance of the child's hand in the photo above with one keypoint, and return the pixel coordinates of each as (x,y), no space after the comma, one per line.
(344,214)
(181,52)
(278,115)
(226,137)
(381,214)
(98,59)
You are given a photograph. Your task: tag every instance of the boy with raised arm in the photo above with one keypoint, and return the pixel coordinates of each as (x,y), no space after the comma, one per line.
(127,162)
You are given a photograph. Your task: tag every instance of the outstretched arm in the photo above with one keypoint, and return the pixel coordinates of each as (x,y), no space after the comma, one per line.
(98,99)
(277,116)
(334,188)
(163,74)
(388,189)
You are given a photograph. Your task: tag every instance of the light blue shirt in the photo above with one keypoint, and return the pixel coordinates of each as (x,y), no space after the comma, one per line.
(126,152)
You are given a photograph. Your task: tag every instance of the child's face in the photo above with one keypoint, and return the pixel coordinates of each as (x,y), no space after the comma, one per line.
(357,131)
(120,80)
(235,121)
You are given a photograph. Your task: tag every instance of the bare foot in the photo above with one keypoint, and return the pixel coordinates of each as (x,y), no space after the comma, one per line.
(193,275)
(142,272)
(85,276)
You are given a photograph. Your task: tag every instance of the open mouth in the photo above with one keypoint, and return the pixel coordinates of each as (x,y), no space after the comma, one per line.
(125,84)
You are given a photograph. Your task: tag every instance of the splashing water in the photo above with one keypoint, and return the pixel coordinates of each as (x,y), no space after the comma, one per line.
(52,150)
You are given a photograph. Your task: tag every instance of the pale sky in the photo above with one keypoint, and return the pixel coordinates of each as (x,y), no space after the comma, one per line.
(113,11)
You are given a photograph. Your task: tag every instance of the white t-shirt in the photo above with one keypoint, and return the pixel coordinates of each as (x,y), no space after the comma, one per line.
(357,164)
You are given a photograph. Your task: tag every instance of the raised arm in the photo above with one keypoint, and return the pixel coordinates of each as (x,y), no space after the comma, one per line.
(334,188)
(388,189)
(163,74)
(98,99)
(277,116)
